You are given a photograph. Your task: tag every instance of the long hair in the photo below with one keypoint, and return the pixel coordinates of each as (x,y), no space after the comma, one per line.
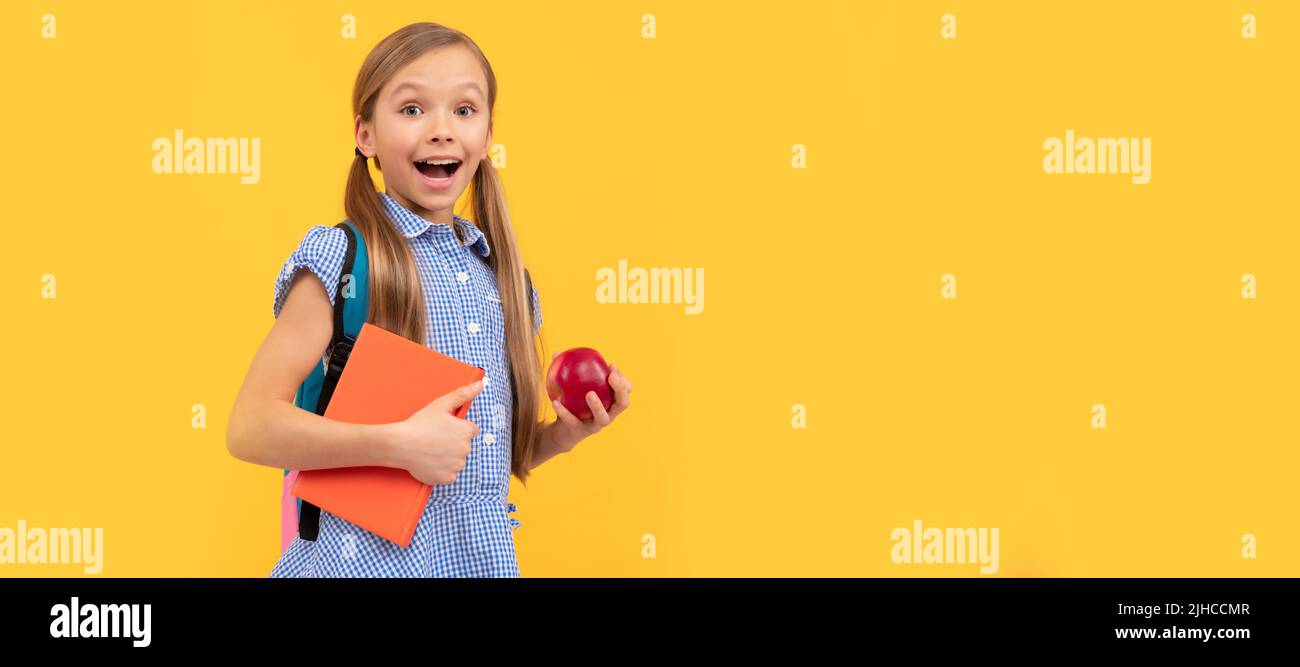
(396,296)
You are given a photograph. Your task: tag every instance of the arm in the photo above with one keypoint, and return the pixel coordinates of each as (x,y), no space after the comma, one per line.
(266,428)
(547,447)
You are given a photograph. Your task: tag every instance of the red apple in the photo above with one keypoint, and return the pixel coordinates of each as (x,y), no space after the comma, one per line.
(573,373)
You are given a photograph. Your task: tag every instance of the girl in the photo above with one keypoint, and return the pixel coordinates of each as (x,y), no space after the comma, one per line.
(423,98)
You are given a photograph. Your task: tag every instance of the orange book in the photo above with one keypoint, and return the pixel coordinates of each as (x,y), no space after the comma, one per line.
(387,378)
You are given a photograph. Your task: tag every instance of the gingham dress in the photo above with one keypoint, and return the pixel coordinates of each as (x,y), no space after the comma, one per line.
(466,530)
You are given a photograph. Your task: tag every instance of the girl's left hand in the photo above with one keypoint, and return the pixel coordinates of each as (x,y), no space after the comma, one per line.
(571,430)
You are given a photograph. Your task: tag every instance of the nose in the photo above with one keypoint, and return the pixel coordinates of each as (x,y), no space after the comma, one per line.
(441,131)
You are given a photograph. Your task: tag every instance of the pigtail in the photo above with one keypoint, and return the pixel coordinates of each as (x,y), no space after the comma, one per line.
(492,216)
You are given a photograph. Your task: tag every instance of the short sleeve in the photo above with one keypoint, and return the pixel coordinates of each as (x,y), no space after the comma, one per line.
(537,311)
(321,251)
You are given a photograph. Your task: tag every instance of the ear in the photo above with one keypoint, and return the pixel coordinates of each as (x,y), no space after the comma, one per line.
(364,138)
(487,146)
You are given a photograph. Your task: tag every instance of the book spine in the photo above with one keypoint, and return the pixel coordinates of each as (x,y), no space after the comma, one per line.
(415,512)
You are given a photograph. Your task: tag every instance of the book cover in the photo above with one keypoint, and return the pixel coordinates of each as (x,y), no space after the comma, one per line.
(387,378)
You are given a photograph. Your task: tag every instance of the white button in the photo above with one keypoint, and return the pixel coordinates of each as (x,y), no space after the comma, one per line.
(487,381)
(462,276)
(489,438)
(473,327)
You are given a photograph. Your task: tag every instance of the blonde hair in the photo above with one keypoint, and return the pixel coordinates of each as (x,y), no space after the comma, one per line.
(396,297)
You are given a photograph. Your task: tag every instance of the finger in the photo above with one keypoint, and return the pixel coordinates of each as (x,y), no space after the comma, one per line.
(565,416)
(622,400)
(462,395)
(622,394)
(598,413)
(621,378)
(619,382)
(467,393)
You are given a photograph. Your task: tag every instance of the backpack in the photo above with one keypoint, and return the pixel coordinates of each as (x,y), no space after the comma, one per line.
(296,515)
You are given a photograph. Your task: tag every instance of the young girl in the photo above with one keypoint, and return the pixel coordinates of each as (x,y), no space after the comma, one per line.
(424,97)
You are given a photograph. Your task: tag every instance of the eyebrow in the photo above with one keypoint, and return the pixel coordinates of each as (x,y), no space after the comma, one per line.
(418,86)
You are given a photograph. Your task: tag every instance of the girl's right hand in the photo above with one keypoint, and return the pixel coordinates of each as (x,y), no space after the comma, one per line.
(433,443)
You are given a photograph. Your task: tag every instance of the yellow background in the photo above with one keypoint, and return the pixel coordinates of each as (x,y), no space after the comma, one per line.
(822,284)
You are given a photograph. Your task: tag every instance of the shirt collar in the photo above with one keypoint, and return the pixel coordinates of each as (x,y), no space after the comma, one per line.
(412,225)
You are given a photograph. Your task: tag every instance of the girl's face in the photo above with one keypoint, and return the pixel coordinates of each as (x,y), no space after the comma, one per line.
(435,106)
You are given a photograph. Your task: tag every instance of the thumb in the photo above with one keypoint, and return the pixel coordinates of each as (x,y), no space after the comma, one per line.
(450,401)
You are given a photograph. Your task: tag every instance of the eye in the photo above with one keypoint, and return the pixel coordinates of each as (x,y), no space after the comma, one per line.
(465,106)
(409,106)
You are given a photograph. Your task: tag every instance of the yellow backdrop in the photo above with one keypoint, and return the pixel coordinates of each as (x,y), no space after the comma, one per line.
(837,169)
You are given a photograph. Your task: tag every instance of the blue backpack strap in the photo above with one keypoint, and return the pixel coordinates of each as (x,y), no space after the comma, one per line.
(351,308)
(349,311)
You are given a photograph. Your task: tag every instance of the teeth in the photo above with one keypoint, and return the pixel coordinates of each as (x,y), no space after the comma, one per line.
(439,161)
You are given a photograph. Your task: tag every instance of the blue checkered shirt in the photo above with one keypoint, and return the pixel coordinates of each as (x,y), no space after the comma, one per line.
(466,529)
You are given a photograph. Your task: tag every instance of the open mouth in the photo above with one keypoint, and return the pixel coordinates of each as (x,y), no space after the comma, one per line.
(437,168)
